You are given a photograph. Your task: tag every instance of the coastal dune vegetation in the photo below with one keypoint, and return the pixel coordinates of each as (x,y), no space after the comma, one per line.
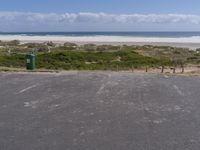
(70,56)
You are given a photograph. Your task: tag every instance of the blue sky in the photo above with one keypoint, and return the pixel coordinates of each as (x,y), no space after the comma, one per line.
(99,15)
(108,6)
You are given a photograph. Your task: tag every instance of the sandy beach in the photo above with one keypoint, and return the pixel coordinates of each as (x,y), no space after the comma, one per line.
(187,42)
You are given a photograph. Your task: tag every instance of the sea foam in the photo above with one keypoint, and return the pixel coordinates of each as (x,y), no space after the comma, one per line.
(99,38)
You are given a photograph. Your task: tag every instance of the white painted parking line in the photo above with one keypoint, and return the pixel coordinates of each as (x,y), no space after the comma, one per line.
(26,89)
(178,90)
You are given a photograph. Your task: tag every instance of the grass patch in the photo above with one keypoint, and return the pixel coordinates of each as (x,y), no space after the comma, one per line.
(86,60)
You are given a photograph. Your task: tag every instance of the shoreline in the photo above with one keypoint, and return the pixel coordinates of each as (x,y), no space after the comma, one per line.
(191,43)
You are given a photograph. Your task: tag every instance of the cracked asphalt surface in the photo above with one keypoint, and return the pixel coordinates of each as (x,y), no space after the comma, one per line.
(99,111)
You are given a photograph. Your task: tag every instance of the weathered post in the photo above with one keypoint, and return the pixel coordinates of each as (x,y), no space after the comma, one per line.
(183,69)
(162,69)
(146,69)
(132,68)
(174,70)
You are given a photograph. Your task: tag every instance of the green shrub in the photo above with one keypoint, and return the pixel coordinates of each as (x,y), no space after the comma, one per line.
(82,60)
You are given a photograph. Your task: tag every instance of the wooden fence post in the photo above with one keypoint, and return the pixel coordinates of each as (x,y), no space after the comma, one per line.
(183,69)
(174,70)
(162,69)
(132,68)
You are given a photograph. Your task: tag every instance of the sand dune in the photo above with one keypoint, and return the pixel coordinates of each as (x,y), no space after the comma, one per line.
(190,42)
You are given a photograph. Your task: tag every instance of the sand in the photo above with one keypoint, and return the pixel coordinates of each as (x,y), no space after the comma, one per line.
(189,42)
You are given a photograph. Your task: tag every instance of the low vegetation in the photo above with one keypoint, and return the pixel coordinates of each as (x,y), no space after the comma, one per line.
(70,56)
(73,60)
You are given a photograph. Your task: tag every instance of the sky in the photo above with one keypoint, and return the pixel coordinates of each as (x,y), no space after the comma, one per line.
(99,15)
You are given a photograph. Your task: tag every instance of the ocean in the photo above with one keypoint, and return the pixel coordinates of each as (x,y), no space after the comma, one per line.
(121,34)
(180,39)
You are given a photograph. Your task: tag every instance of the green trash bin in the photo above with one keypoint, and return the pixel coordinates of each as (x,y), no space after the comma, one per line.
(30,61)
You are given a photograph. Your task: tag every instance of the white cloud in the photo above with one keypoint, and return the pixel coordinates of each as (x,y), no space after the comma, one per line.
(42,20)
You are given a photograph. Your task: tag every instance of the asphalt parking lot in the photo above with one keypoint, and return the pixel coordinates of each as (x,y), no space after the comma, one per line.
(99,111)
